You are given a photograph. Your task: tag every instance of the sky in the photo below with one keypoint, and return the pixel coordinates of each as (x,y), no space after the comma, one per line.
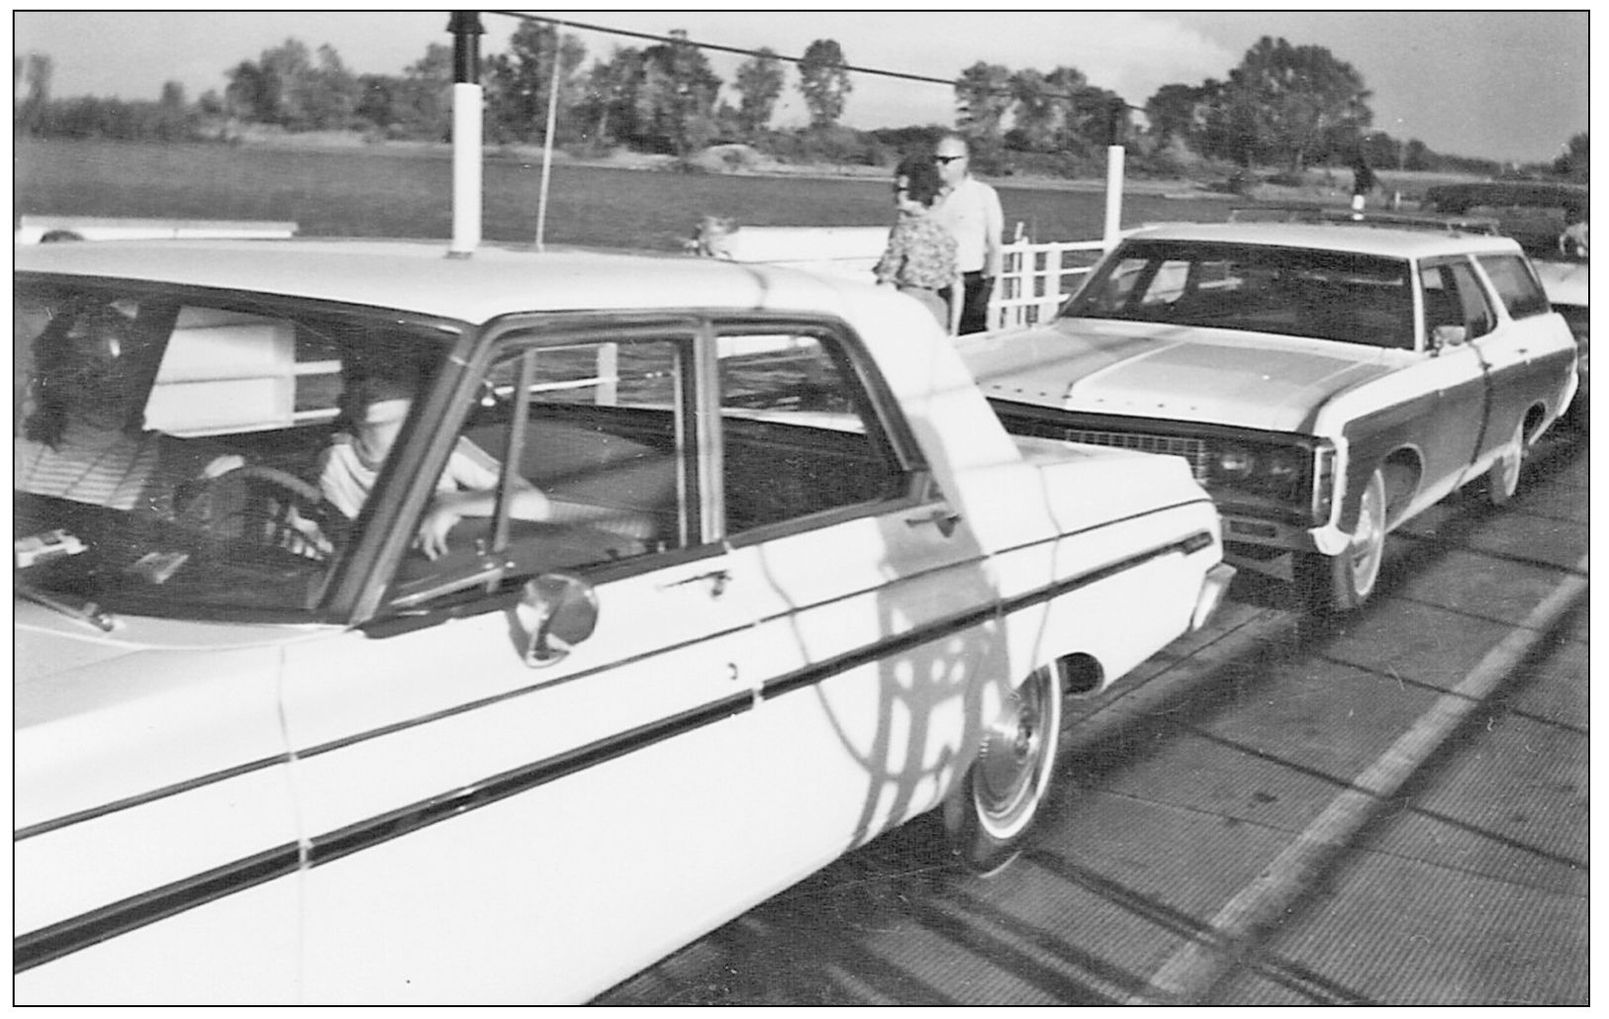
(1500,85)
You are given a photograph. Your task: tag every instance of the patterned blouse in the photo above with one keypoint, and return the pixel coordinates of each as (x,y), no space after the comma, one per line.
(920,253)
(108,468)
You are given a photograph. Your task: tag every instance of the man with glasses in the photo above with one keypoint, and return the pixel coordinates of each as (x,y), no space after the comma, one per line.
(970,210)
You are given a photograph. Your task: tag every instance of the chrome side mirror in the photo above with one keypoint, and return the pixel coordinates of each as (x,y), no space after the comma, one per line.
(1442,337)
(557,611)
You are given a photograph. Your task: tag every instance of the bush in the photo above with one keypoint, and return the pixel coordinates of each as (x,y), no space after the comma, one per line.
(729,158)
(1289,178)
(841,145)
(588,148)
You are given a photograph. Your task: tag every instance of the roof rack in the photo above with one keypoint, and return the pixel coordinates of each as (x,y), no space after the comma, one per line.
(1296,212)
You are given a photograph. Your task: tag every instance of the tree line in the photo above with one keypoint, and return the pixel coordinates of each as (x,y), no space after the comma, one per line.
(1284,106)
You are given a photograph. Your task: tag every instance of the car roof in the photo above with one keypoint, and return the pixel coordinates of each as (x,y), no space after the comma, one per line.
(1354,238)
(420,277)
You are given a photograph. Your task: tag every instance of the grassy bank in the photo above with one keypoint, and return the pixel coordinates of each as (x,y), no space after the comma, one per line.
(373,192)
(383,191)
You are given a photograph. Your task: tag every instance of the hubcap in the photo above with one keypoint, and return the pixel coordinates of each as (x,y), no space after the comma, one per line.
(1009,760)
(1509,478)
(1367,544)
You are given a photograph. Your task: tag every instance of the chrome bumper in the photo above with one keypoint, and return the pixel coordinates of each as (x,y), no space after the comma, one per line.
(1213,588)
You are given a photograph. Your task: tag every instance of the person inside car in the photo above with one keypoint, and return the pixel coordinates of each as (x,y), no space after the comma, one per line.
(375,408)
(82,435)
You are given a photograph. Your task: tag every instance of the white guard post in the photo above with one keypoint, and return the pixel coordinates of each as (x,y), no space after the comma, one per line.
(1114,196)
(466,168)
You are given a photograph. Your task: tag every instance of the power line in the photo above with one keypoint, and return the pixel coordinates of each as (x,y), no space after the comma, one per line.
(742,51)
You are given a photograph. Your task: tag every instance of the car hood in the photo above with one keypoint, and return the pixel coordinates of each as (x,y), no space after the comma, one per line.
(1218,376)
(100,717)
(61,665)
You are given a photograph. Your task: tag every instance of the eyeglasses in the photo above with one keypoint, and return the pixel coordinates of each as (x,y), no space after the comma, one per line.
(946,160)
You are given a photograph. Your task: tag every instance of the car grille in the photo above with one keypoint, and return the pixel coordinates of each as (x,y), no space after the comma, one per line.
(1193,450)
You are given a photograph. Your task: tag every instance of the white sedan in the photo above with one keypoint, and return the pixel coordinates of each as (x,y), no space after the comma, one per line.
(397,627)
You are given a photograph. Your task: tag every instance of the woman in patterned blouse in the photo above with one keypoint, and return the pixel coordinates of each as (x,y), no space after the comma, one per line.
(920,257)
(82,439)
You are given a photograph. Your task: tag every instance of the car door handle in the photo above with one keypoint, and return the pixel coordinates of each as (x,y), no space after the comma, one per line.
(943,519)
(718,579)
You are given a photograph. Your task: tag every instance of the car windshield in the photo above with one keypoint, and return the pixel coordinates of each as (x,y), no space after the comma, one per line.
(1329,295)
(166,443)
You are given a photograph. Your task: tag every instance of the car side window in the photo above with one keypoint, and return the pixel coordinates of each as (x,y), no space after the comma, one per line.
(1516,285)
(1454,297)
(600,439)
(1119,287)
(1168,284)
(799,432)
(573,455)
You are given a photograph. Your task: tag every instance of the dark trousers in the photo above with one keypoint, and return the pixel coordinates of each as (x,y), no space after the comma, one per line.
(976,289)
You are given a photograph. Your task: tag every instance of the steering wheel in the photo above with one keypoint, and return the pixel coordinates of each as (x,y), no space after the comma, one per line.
(261,505)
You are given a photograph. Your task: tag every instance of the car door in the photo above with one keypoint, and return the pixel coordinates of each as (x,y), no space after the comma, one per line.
(1455,314)
(1526,355)
(877,611)
(482,822)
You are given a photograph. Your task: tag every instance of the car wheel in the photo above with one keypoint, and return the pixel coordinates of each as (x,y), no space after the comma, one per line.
(1344,582)
(1503,478)
(989,816)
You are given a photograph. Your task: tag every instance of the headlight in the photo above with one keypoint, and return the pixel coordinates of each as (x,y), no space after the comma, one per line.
(1275,466)
(1284,465)
(1282,473)
(1234,463)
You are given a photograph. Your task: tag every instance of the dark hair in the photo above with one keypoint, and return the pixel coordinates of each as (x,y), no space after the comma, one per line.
(83,332)
(922,180)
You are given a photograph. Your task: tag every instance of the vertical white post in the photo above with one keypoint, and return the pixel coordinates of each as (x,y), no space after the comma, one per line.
(547,149)
(1114,196)
(608,394)
(466,168)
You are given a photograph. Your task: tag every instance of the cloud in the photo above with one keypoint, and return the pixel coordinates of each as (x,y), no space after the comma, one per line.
(1510,84)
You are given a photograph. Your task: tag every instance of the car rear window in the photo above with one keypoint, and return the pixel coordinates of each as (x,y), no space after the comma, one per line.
(1517,286)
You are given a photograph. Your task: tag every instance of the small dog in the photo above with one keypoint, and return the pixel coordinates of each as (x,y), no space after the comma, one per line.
(711,238)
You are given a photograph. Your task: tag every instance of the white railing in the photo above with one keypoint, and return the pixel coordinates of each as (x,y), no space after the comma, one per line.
(1036,278)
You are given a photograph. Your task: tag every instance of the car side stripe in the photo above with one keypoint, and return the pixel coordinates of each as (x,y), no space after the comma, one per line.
(374,831)
(76,933)
(91,813)
(936,631)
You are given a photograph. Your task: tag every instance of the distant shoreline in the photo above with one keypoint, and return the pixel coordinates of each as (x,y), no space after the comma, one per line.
(717,161)
(354,189)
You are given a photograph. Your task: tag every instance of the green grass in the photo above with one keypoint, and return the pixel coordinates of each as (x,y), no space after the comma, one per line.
(379,192)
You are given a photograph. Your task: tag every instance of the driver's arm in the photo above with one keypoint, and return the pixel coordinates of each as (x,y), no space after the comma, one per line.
(469,489)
